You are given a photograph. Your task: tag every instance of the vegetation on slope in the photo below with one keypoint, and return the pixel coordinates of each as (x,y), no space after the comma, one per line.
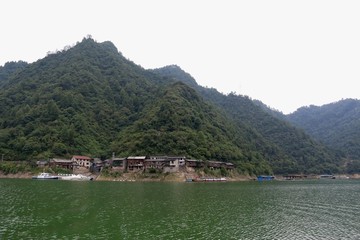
(336,125)
(288,149)
(72,102)
(90,100)
(10,69)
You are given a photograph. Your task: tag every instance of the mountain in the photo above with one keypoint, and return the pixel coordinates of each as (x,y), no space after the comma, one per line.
(336,125)
(9,69)
(90,100)
(72,102)
(286,147)
(180,122)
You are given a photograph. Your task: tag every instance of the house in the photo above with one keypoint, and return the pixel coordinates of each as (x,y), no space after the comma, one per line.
(294,176)
(173,163)
(155,162)
(118,163)
(229,166)
(194,163)
(135,163)
(62,163)
(165,163)
(108,163)
(214,164)
(82,161)
(218,165)
(181,159)
(96,165)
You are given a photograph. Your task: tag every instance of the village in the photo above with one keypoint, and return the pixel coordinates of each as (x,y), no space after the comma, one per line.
(135,164)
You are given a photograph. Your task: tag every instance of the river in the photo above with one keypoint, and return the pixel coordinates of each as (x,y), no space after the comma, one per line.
(53,209)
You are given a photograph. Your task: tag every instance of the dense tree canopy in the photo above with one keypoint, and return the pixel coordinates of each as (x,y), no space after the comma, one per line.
(336,124)
(10,69)
(288,149)
(89,99)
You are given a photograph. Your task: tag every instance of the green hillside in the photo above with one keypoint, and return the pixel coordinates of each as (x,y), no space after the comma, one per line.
(181,123)
(90,100)
(336,125)
(71,102)
(10,69)
(287,148)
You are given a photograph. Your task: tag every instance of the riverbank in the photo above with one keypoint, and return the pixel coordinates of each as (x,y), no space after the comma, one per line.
(141,177)
(16,175)
(168,177)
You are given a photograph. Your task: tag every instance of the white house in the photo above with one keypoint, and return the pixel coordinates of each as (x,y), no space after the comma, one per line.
(82,161)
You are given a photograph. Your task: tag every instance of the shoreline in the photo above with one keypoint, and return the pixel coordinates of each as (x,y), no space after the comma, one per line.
(137,177)
(172,177)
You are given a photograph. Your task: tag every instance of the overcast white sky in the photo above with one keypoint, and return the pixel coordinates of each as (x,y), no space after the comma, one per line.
(285,53)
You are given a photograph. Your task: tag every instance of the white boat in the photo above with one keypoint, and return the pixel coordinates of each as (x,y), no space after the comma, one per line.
(74,177)
(204,179)
(45,175)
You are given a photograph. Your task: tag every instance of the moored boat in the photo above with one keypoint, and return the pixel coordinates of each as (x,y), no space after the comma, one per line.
(74,177)
(45,175)
(265,178)
(204,179)
(327,176)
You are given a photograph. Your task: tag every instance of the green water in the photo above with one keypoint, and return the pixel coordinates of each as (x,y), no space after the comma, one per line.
(35,209)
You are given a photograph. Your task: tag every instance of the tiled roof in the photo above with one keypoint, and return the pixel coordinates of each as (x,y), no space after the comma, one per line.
(57,160)
(82,157)
(137,157)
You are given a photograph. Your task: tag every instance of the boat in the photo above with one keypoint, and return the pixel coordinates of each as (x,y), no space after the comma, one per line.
(327,176)
(265,178)
(74,177)
(203,179)
(45,175)
(215,179)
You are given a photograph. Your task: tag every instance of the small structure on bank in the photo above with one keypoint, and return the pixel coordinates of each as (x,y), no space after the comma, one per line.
(62,163)
(135,163)
(82,161)
(294,177)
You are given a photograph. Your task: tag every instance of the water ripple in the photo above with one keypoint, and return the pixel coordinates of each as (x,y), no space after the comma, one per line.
(107,210)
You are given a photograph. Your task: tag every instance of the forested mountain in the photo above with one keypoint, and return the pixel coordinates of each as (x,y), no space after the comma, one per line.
(336,124)
(90,100)
(181,123)
(72,102)
(10,68)
(287,148)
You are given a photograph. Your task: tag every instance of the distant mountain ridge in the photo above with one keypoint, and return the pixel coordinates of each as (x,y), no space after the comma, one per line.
(91,100)
(336,124)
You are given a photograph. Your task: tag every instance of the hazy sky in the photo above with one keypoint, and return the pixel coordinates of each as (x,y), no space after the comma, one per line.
(285,53)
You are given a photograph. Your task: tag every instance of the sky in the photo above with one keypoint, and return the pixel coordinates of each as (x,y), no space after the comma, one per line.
(285,53)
